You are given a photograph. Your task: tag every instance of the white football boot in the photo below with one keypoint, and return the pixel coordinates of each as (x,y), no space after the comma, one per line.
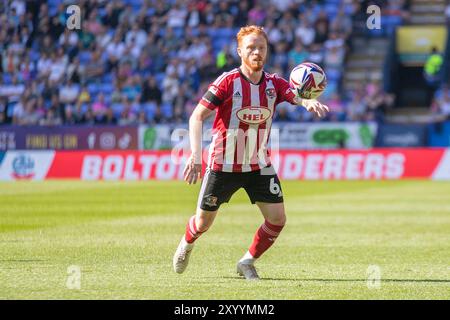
(247,270)
(181,256)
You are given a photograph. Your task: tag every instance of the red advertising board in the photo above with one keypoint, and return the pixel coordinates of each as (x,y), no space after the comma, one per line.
(424,163)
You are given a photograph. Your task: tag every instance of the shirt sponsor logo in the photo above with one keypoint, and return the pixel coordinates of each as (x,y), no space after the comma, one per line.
(254,115)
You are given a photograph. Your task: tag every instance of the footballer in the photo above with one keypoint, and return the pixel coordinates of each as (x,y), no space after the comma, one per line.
(244,101)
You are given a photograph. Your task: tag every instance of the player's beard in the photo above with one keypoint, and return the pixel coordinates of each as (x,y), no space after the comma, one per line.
(255,66)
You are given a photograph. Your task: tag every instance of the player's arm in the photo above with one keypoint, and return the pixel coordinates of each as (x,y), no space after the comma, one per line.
(212,99)
(291,95)
(312,105)
(193,169)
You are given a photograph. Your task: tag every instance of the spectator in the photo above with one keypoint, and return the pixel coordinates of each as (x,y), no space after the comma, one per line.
(378,103)
(283,115)
(170,87)
(432,70)
(84,96)
(115,50)
(132,88)
(441,105)
(282,5)
(128,116)
(69,93)
(337,111)
(12,91)
(10,61)
(305,32)
(176,16)
(44,65)
(273,32)
(256,15)
(58,65)
(279,57)
(151,92)
(51,118)
(30,115)
(136,36)
(99,108)
(57,107)
(334,52)
(3,111)
(356,108)
(173,45)
(95,69)
(297,55)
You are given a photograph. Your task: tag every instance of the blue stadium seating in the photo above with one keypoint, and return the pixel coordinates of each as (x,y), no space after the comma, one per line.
(166,110)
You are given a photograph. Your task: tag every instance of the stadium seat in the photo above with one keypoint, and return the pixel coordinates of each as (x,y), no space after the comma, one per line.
(332,87)
(333,74)
(159,77)
(84,107)
(34,55)
(7,78)
(93,89)
(389,23)
(106,88)
(102,12)
(332,10)
(108,77)
(149,109)
(117,109)
(178,32)
(85,57)
(166,109)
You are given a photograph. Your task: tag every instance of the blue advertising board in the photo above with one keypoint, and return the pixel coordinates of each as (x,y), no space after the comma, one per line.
(401,135)
(439,134)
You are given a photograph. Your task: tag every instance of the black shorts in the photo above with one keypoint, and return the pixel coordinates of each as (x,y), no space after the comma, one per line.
(218,187)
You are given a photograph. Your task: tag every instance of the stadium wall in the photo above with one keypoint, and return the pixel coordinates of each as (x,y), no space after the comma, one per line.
(371,164)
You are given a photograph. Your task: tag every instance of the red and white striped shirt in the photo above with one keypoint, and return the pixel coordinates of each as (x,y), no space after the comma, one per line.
(244,113)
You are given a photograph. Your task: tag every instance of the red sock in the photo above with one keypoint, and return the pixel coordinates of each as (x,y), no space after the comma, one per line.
(264,238)
(191,231)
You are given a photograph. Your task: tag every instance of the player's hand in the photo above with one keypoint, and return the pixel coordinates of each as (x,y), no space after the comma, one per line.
(312,105)
(192,171)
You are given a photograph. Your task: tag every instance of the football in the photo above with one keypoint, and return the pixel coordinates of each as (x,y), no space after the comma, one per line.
(308,79)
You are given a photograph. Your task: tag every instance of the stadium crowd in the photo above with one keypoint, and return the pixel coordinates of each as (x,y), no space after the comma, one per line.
(149,62)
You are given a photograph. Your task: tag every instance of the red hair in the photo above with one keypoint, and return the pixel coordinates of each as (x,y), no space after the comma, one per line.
(244,31)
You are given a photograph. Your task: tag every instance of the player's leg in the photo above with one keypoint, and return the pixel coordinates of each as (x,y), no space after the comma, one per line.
(217,188)
(265,191)
(264,238)
(199,224)
(268,232)
(196,226)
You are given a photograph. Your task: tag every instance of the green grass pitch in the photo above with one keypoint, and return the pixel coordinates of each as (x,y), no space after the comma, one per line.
(122,236)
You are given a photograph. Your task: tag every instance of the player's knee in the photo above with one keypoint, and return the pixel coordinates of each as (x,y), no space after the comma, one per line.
(203,227)
(279,219)
(204,221)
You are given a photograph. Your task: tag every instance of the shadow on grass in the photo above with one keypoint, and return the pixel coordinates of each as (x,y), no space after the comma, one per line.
(348,280)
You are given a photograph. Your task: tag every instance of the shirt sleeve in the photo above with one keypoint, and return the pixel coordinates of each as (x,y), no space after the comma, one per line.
(215,95)
(284,91)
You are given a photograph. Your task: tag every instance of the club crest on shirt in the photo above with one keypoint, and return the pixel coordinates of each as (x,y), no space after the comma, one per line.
(271,93)
(211,201)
